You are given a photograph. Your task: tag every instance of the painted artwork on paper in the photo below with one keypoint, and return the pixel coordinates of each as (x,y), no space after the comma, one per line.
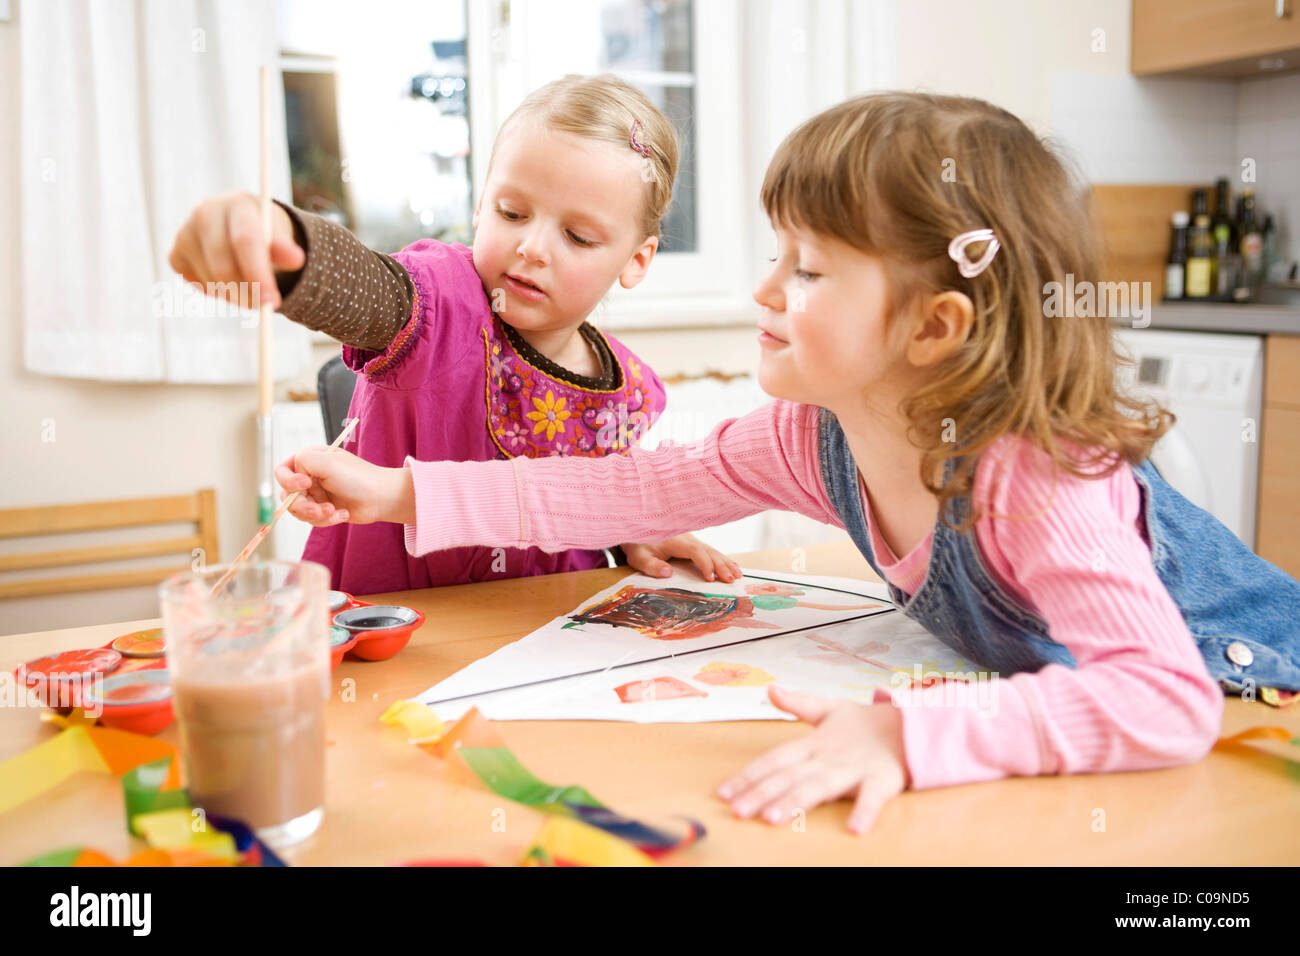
(680,649)
(640,620)
(672,614)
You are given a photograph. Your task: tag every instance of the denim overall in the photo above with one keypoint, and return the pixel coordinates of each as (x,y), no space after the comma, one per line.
(1243,611)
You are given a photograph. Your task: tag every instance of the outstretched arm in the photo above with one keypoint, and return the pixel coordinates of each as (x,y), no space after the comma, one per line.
(361,297)
(314,272)
(767,459)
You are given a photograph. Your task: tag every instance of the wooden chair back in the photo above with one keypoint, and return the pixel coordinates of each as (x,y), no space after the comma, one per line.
(199,508)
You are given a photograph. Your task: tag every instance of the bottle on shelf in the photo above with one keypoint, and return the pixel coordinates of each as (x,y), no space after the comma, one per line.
(1268,268)
(1226,259)
(1199,283)
(1176,265)
(1252,248)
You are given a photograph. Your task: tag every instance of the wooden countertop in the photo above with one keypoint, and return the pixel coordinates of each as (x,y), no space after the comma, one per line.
(388,802)
(1236,318)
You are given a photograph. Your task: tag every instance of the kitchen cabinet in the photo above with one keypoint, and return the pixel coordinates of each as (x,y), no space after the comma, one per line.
(1228,38)
(1278,538)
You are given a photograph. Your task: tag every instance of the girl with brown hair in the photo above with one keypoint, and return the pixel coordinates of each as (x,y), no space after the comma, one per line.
(972,443)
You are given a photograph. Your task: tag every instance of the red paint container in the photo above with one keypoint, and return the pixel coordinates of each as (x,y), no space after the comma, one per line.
(381,630)
(139,701)
(341,641)
(143,644)
(59,680)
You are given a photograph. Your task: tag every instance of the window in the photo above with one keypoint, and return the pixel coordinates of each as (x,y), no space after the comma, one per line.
(376,113)
(516,46)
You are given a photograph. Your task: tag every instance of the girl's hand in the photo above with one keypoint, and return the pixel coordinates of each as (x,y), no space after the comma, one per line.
(856,749)
(223,242)
(652,559)
(339,487)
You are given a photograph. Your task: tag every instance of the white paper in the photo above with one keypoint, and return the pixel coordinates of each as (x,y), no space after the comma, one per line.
(575,673)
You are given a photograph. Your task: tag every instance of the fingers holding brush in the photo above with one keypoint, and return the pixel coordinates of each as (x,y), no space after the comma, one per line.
(310,501)
(333,486)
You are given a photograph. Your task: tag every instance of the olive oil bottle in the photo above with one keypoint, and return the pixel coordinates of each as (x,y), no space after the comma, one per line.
(1199,283)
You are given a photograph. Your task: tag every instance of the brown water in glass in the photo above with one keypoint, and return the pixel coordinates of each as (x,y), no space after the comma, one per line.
(254,750)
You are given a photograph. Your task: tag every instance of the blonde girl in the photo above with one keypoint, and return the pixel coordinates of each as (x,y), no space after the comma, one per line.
(482,353)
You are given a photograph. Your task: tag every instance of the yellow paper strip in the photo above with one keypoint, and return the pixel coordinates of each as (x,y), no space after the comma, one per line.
(166,829)
(47,765)
(421,723)
(174,830)
(566,839)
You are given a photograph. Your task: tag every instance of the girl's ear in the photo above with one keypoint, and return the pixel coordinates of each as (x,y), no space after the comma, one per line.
(942,324)
(639,264)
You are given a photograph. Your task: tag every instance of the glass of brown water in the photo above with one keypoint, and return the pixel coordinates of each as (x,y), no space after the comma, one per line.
(249,669)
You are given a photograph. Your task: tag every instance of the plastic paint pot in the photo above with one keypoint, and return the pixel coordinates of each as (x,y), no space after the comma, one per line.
(381,630)
(341,641)
(59,680)
(138,701)
(147,643)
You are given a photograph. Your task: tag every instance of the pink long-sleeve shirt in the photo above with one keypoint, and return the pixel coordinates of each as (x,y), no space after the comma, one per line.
(1139,698)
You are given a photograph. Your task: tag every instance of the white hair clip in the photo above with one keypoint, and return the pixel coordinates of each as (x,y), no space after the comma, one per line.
(957,251)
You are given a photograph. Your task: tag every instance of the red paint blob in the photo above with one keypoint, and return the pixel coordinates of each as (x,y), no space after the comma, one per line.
(658,688)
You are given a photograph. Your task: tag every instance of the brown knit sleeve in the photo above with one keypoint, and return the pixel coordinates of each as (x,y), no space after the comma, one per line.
(361,297)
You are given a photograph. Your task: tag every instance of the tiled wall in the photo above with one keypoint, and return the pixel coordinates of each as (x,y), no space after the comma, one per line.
(1268,131)
(1122,129)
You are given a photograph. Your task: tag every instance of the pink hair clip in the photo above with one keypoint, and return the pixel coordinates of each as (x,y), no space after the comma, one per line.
(957,251)
(639,146)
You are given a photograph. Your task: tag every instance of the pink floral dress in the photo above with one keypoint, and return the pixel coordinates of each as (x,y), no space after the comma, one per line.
(456,384)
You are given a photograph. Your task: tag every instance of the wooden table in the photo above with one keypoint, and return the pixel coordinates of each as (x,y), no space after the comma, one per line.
(389,802)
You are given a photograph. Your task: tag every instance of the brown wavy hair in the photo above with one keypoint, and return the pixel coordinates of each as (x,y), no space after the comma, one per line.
(897,176)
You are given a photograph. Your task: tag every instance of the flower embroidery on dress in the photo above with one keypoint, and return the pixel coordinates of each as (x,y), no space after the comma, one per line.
(534,414)
(514,434)
(549,415)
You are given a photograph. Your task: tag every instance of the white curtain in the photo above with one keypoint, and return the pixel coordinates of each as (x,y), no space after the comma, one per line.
(132,112)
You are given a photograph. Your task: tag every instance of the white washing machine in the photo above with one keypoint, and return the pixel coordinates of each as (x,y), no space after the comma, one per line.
(1214,383)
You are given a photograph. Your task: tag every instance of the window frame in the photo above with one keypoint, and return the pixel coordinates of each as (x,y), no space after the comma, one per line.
(507,48)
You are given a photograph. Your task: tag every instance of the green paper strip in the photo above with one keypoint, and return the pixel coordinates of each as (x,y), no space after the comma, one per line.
(61,858)
(140,787)
(501,770)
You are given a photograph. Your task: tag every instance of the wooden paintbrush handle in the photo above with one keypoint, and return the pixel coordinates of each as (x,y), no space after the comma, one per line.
(266,528)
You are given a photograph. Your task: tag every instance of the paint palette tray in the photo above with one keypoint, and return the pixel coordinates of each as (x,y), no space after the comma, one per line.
(379,630)
(375,631)
(78,678)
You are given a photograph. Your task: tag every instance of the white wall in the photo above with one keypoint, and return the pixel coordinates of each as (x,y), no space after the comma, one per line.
(110,440)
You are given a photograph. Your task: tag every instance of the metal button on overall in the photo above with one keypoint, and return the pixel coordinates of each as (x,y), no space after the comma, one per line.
(1239,654)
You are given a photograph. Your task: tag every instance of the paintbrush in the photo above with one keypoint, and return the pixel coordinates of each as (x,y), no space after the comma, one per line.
(265,360)
(266,528)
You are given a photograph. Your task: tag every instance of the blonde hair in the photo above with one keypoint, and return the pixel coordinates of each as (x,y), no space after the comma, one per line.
(898,176)
(605,108)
